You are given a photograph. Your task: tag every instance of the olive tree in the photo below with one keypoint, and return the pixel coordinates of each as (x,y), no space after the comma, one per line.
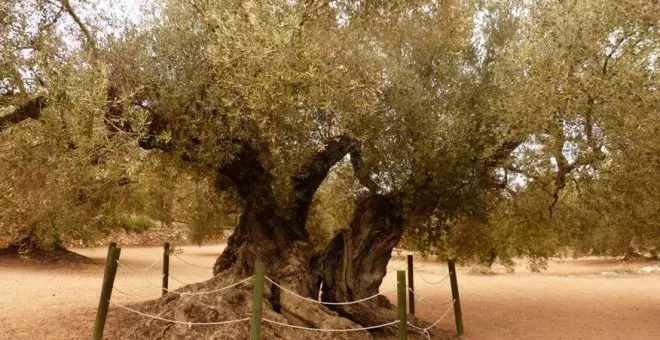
(433,106)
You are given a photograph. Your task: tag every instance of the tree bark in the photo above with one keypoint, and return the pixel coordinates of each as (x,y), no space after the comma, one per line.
(351,267)
(354,264)
(263,232)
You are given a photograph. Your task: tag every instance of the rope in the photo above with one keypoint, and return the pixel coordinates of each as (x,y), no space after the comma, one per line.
(443,315)
(191,264)
(219,289)
(141,279)
(432,283)
(129,269)
(426,330)
(397,268)
(177,280)
(190,324)
(422,297)
(325,303)
(145,268)
(187,293)
(330,329)
(122,292)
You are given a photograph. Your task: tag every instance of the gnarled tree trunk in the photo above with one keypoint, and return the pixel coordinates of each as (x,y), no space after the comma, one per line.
(351,267)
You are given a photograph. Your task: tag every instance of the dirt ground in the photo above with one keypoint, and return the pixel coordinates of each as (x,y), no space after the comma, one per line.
(573,299)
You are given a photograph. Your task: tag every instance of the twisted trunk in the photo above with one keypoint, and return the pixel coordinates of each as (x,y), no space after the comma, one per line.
(351,267)
(353,264)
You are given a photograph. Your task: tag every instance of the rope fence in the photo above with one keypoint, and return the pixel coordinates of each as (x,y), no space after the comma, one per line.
(142,269)
(215,290)
(123,292)
(192,264)
(397,268)
(136,274)
(187,293)
(425,330)
(258,280)
(330,329)
(188,323)
(419,297)
(177,280)
(432,283)
(326,303)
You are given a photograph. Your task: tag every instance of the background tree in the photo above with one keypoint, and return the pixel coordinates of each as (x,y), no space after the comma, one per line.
(68,176)
(590,92)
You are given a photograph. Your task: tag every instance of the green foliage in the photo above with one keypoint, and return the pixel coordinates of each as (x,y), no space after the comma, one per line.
(333,205)
(585,179)
(211,214)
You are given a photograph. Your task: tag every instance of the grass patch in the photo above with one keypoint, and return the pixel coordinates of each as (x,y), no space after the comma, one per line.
(136,224)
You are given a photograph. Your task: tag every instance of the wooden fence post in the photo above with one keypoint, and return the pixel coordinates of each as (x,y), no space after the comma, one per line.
(457,300)
(411,287)
(106,291)
(110,246)
(257,300)
(401,304)
(166,266)
(108,259)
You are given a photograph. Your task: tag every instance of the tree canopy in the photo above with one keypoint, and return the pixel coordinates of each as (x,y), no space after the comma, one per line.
(515,125)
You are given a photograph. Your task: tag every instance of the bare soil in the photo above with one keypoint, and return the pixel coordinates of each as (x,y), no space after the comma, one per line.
(571,300)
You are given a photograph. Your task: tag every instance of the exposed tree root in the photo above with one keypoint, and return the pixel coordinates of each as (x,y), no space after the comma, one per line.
(230,304)
(235,303)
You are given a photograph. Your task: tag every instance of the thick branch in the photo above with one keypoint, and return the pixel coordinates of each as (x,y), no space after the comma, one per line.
(91,41)
(564,167)
(314,172)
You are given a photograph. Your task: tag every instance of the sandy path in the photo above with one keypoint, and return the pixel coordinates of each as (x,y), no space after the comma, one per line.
(59,302)
(571,300)
(568,301)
